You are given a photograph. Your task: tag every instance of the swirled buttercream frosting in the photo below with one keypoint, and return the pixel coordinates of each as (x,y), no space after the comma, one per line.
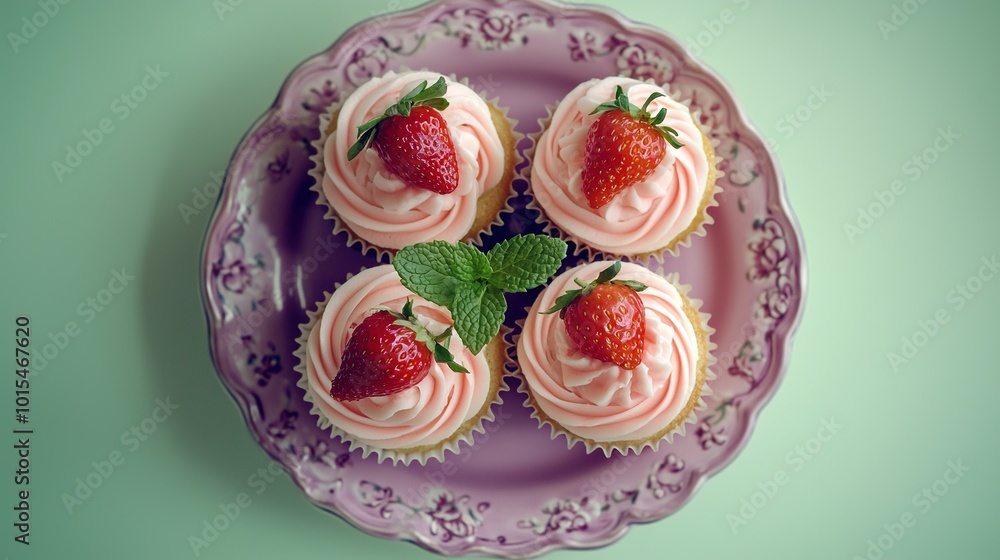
(603,402)
(376,204)
(650,216)
(430,412)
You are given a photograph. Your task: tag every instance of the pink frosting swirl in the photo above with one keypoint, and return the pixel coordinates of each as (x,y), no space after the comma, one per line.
(374,203)
(426,414)
(646,217)
(601,401)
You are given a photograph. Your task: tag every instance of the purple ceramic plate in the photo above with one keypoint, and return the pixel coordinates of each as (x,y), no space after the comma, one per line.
(269,254)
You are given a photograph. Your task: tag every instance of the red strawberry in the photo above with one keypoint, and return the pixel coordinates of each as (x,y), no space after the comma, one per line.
(412,139)
(624,146)
(606,319)
(387,353)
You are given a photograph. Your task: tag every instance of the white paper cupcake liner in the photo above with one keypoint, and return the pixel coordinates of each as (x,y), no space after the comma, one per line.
(405,456)
(680,423)
(318,170)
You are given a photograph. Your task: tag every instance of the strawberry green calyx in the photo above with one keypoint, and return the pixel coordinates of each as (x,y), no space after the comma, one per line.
(438,345)
(641,114)
(605,319)
(605,277)
(420,96)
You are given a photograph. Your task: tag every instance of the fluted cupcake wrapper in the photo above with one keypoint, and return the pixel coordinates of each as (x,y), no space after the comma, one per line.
(405,456)
(678,426)
(580,246)
(318,170)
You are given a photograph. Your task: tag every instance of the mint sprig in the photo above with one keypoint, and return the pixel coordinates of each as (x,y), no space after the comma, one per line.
(522,262)
(622,103)
(472,285)
(478,311)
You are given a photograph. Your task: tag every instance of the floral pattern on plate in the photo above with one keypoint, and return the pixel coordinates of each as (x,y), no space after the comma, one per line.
(514,492)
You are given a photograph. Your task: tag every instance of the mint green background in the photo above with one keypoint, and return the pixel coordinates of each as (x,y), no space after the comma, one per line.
(120,209)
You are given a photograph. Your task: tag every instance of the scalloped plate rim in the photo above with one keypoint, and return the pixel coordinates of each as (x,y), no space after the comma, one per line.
(785,332)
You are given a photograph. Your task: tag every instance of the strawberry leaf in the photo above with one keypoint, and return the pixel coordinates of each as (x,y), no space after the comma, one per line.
(366,135)
(444,356)
(369,125)
(624,104)
(424,93)
(423,335)
(604,107)
(420,95)
(605,277)
(652,96)
(635,285)
(478,311)
(609,273)
(641,114)
(401,109)
(440,104)
(659,117)
(438,345)
(414,93)
(562,301)
(671,136)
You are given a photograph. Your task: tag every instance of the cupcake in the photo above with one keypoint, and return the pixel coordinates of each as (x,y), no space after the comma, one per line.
(622,365)
(440,168)
(411,416)
(623,169)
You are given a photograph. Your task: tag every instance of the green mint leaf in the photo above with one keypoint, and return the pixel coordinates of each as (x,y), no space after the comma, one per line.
(433,270)
(478,311)
(525,261)
(469,264)
(425,270)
